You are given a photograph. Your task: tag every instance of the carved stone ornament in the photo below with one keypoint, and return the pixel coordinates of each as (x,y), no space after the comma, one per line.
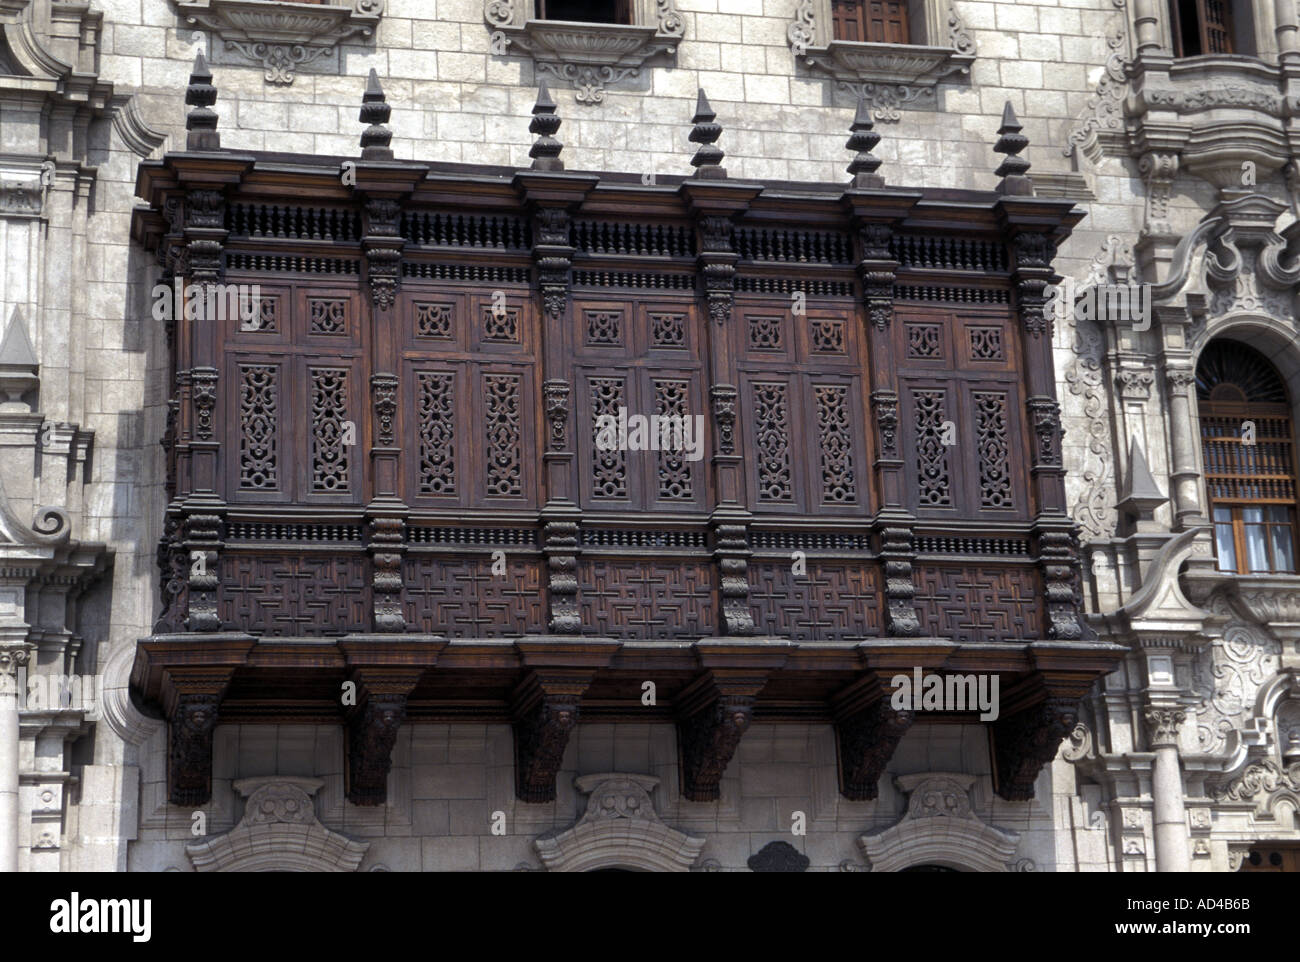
(1265,783)
(590,56)
(283,37)
(278,833)
(887,76)
(940,828)
(619,829)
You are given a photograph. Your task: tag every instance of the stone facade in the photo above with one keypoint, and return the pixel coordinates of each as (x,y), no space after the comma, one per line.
(1181,760)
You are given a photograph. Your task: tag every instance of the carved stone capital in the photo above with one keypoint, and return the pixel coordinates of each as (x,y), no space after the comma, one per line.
(1135,383)
(1162,725)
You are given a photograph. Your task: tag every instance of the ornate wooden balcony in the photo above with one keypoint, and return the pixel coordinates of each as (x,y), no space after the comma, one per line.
(387,475)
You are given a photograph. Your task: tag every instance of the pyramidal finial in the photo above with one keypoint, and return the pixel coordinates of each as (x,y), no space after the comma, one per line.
(201,122)
(862,140)
(708,159)
(546,149)
(1011,142)
(1140,496)
(375,112)
(18,364)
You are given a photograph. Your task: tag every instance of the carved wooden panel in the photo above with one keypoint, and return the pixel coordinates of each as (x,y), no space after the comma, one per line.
(462,597)
(292,594)
(259,412)
(979,603)
(646,599)
(831,601)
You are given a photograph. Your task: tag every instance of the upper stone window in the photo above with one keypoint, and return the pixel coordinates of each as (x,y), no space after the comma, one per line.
(892,53)
(1248,449)
(588,43)
(1200,27)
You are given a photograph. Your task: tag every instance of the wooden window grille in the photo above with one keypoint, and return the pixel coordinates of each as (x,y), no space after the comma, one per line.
(1248,448)
(870,21)
(1201,27)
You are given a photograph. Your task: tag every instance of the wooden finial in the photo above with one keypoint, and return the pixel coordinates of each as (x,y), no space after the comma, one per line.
(708,159)
(546,149)
(1011,142)
(375,112)
(862,139)
(201,122)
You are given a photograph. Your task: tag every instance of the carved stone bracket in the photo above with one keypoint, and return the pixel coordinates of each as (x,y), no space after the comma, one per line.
(714,712)
(866,740)
(545,709)
(192,700)
(1028,740)
(280,39)
(373,722)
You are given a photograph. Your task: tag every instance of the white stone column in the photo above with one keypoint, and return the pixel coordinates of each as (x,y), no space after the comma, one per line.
(12,657)
(1172,841)
(1184,439)
(1284,14)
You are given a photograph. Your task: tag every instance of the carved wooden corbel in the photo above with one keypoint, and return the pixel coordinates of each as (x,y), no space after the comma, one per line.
(1027,740)
(713,713)
(372,729)
(866,738)
(545,709)
(192,702)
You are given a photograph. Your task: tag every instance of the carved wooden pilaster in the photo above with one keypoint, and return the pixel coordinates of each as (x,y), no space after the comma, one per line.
(202,545)
(713,713)
(192,702)
(553,255)
(1031,275)
(1058,554)
(386,548)
(717,262)
(1027,740)
(205,234)
(866,739)
(382,246)
(372,729)
(899,554)
(560,548)
(545,709)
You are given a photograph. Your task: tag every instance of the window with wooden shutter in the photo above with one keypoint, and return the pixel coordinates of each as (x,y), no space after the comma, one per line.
(1249,453)
(586,11)
(870,21)
(1201,27)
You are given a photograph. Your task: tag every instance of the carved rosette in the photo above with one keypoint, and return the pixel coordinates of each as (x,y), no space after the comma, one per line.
(203,395)
(372,732)
(1059,558)
(1045,415)
(732,552)
(383,395)
(866,742)
(560,547)
(202,543)
(383,248)
(885,406)
(1162,725)
(724,397)
(545,712)
(708,741)
(387,544)
(193,720)
(897,551)
(1028,740)
(557,412)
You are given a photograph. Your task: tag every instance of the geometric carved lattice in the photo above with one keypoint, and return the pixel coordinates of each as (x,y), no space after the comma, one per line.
(289,595)
(638,599)
(259,417)
(923,341)
(931,452)
(609,467)
(674,469)
(772,431)
(830,602)
(985,343)
(838,483)
(978,604)
(328,315)
(435,401)
(991,443)
(462,598)
(329,454)
(433,320)
(504,444)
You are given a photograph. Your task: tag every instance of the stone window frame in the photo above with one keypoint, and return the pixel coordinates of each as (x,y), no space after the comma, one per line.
(590,56)
(888,75)
(282,36)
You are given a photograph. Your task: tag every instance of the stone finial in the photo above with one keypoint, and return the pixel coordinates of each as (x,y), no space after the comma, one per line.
(708,159)
(201,122)
(18,364)
(1140,496)
(546,149)
(375,112)
(1011,142)
(862,139)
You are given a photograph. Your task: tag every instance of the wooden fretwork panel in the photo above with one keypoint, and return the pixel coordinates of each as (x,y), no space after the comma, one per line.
(831,601)
(294,594)
(646,599)
(462,598)
(984,603)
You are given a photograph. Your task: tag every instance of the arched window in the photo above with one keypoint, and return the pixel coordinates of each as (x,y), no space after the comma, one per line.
(1249,454)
